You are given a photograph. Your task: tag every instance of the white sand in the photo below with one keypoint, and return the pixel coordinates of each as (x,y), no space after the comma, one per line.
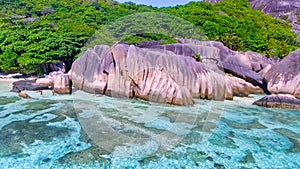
(10,77)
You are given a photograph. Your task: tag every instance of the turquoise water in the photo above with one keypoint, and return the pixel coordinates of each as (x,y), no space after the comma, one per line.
(85,131)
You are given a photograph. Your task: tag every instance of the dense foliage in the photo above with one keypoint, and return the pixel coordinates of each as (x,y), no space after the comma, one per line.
(42,31)
(234,23)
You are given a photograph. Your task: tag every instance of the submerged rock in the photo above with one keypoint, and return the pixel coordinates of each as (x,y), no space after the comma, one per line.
(282,101)
(24,95)
(284,77)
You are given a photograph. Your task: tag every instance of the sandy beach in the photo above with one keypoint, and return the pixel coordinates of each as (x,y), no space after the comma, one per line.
(13,77)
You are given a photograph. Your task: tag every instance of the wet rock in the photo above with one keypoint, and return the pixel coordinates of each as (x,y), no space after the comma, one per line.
(24,95)
(209,158)
(28,85)
(282,101)
(284,77)
(219,166)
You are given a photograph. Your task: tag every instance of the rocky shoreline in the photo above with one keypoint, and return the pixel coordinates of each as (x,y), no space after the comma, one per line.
(171,73)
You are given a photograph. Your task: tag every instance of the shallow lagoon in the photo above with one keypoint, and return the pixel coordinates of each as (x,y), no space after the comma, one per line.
(85,131)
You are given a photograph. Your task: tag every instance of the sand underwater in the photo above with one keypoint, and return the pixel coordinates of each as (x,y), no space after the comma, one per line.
(85,131)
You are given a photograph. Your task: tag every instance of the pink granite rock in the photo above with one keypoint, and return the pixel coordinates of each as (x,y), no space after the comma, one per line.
(284,77)
(165,74)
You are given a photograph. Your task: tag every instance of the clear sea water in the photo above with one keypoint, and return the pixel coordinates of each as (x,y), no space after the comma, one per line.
(87,131)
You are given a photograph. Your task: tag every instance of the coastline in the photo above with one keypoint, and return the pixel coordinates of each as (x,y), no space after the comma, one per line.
(13,77)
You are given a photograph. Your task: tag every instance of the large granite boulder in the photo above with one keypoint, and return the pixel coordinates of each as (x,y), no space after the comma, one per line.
(90,71)
(62,85)
(282,101)
(284,77)
(160,73)
(245,65)
(128,71)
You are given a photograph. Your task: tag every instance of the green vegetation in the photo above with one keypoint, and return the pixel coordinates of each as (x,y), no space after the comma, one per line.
(234,23)
(42,31)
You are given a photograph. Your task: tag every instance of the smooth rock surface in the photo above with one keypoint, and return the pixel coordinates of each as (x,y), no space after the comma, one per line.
(282,101)
(284,77)
(90,71)
(163,73)
(244,65)
(62,84)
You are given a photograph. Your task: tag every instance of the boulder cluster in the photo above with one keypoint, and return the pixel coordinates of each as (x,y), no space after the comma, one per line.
(177,73)
(58,81)
(174,73)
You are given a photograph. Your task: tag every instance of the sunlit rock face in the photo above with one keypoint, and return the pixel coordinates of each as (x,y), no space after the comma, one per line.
(164,73)
(244,65)
(90,71)
(284,77)
(62,84)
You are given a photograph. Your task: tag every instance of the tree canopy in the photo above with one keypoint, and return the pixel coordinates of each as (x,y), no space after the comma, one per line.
(43,31)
